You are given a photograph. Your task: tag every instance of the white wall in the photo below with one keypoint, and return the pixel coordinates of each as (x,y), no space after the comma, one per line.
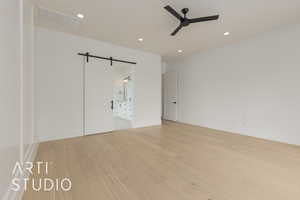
(250,88)
(58,83)
(28,62)
(9,90)
(16,88)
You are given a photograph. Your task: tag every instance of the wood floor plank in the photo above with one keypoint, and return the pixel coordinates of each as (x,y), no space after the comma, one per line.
(171,162)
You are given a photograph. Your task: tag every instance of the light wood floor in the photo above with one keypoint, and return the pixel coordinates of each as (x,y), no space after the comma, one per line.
(172,162)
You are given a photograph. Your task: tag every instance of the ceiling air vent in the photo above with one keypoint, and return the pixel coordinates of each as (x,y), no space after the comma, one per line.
(46,17)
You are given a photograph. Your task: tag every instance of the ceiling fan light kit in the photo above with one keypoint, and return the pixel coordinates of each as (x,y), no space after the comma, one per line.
(184,21)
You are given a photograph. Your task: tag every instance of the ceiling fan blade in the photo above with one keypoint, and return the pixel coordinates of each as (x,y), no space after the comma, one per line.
(173,12)
(176,30)
(203,19)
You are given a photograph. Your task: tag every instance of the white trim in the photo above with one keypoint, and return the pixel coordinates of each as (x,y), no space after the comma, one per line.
(29,157)
(34,138)
(21,7)
(83,95)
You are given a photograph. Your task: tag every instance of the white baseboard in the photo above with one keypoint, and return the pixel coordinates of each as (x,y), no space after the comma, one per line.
(29,157)
(94,132)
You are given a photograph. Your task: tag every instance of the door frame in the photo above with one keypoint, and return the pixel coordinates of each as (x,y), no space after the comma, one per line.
(84,87)
(164,95)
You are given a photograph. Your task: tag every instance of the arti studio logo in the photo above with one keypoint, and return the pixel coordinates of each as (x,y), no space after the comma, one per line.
(38,184)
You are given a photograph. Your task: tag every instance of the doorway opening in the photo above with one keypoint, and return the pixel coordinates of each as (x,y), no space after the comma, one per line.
(170,85)
(123,96)
(108,96)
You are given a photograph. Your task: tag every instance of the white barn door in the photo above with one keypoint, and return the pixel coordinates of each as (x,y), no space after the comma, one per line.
(98,94)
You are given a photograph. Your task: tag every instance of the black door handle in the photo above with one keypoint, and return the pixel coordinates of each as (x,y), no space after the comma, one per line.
(174,102)
(112,104)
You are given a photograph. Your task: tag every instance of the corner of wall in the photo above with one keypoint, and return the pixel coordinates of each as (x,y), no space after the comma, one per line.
(30,156)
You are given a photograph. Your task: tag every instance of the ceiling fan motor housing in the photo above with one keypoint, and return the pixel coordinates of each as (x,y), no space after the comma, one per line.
(185,11)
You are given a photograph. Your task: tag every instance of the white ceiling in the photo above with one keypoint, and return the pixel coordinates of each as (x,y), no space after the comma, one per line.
(123,22)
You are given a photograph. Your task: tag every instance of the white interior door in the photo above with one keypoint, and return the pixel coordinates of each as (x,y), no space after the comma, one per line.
(170,95)
(98,97)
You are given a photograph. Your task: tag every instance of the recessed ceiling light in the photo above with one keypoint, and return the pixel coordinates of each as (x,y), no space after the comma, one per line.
(140,39)
(179,51)
(226,33)
(81,16)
